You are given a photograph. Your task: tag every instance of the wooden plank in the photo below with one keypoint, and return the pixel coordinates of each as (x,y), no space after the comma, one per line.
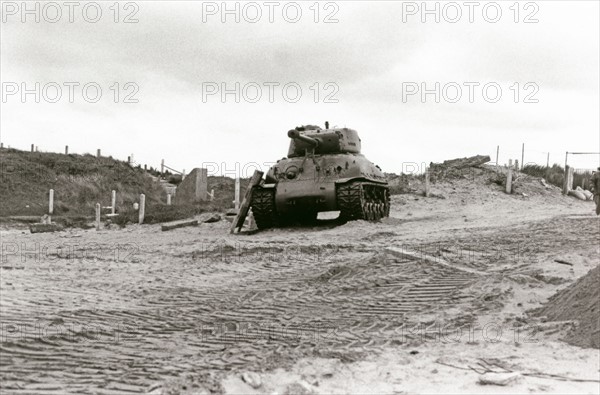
(238,222)
(178,224)
(44,228)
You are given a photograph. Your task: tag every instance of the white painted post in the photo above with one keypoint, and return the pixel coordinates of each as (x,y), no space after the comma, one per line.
(142,208)
(522,156)
(168,199)
(509,180)
(98,216)
(212,194)
(497,155)
(51,202)
(183,175)
(426,182)
(113,202)
(237,193)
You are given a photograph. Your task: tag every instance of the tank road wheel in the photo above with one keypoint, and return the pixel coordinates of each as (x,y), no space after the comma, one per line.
(363,200)
(263,207)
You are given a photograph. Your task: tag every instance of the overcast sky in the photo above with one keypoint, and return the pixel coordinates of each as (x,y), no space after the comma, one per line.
(367,61)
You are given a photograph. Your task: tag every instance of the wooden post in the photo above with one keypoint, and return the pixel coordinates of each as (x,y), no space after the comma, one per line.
(98,216)
(509,180)
(183,175)
(510,164)
(238,221)
(236,198)
(142,211)
(145,168)
(548,160)
(426,182)
(168,199)
(570,178)
(113,202)
(98,153)
(516,165)
(212,194)
(66,150)
(51,202)
(162,167)
(32,147)
(522,156)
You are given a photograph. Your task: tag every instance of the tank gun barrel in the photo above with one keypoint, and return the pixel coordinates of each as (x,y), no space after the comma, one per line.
(294,134)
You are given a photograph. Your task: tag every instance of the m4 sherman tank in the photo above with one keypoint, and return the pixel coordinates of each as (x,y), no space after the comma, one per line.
(324,171)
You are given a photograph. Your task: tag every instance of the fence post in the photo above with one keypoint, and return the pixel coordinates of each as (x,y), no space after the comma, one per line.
(568,181)
(98,216)
(98,153)
(142,211)
(548,160)
(212,194)
(509,180)
(522,156)
(51,202)
(113,201)
(36,149)
(236,200)
(516,164)
(32,147)
(168,199)
(426,182)
(183,175)
(66,150)
(497,155)
(162,168)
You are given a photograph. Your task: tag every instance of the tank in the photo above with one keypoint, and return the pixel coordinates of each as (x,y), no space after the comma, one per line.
(324,171)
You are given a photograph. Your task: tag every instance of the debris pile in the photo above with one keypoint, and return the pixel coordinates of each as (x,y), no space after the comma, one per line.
(458,168)
(580,301)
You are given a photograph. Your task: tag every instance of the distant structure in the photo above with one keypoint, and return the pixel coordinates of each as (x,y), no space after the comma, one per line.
(194,187)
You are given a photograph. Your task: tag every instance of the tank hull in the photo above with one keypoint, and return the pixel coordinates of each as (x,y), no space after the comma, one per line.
(309,184)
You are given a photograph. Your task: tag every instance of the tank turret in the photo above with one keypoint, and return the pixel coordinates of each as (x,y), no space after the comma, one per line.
(322,141)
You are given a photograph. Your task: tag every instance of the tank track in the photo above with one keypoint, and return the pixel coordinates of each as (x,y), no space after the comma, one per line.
(363,200)
(263,207)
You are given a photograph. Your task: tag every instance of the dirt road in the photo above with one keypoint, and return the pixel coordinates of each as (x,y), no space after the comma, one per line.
(319,309)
